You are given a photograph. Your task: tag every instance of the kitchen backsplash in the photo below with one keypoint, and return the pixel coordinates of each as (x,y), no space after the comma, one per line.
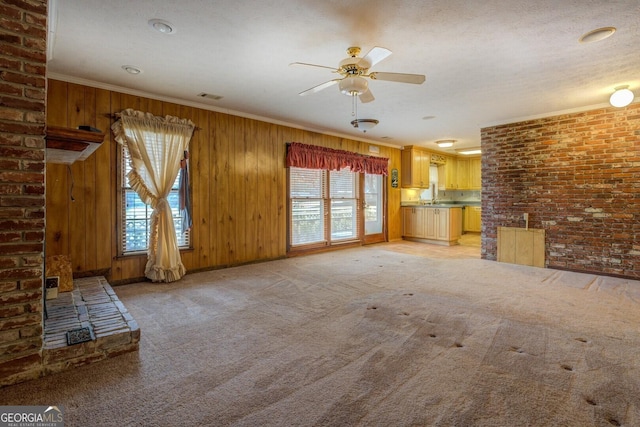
(415,195)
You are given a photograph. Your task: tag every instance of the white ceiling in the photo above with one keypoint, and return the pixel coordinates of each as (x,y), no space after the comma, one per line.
(486,62)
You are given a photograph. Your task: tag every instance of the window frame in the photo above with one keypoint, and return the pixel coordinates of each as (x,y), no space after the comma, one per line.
(122,189)
(327,199)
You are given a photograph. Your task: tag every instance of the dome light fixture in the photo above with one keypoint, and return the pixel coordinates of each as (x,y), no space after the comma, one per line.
(621,97)
(445,143)
(364,124)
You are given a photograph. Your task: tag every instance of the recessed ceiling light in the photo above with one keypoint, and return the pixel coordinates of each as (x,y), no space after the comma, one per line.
(162,26)
(597,35)
(428,117)
(131,69)
(468,151)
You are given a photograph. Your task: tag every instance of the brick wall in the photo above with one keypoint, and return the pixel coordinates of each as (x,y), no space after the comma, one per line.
(578,177)
(23,28)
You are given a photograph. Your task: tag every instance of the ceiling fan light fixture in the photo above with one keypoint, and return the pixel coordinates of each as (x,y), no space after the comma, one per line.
(621,97)
(353,85)
(364,124)
(445,143)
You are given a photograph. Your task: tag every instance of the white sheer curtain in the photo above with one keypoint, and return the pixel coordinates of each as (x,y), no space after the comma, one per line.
(156,146)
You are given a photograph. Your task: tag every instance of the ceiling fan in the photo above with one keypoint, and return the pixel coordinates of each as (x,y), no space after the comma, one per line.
(355,72)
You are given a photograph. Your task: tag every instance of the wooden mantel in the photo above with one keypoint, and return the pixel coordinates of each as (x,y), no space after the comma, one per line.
(66,145)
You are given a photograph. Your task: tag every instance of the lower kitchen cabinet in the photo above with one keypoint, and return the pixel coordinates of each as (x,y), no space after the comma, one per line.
(473,218)
(413,222)
(432,224)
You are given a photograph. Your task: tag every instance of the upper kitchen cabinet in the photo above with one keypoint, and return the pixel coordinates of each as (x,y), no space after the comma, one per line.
(415,167)
(475,173)
(447,174)
(462,173)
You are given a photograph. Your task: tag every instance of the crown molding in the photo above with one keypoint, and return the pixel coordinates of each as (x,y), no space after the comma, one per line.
(180,101)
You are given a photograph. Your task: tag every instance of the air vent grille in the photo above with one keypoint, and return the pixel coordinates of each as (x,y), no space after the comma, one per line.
(209,96)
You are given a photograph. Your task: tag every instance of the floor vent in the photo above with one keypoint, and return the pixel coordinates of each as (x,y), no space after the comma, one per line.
(80,335)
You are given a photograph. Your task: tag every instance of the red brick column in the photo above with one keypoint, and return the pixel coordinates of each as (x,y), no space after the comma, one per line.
(23,35)
(578,177)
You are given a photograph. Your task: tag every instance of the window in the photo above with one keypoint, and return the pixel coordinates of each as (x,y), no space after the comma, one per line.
(344,218)
(307,206)
(323,207)
(136,215)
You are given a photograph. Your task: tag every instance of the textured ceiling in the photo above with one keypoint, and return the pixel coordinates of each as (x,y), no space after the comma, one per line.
(486,62)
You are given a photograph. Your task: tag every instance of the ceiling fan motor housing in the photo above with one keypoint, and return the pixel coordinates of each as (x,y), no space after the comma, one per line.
(355,74)
(353,66)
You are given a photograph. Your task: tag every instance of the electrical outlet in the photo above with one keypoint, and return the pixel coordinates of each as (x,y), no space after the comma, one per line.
(526,216)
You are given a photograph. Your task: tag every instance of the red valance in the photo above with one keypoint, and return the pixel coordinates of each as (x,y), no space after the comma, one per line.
(314,157)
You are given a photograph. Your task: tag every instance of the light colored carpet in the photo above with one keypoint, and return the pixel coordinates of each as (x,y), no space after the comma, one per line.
(368,337)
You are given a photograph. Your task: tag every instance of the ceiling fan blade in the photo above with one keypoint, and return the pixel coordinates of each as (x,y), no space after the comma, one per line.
(314,65)
(374,56)
(399,77)
(319,87)
(366,96)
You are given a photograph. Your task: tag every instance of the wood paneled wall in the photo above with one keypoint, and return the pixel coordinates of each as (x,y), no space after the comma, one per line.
(238,183)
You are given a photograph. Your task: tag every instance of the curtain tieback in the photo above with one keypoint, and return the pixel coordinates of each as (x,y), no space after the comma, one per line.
(162,203)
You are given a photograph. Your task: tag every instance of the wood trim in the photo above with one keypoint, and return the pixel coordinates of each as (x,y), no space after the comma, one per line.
(58,134)
(67,145)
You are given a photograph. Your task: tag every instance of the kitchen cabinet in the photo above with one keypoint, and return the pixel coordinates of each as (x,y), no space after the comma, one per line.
(415,168)
(463,174)
(447,174)
(443,224)
(413,222)
(475,173)
(438,224)
(473,218)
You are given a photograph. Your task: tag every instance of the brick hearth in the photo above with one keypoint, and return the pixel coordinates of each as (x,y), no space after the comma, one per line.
(95,305)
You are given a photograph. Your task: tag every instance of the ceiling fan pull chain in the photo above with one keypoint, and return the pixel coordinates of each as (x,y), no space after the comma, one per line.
(354,106)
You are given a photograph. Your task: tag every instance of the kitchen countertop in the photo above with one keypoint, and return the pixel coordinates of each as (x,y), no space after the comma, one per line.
(440,204)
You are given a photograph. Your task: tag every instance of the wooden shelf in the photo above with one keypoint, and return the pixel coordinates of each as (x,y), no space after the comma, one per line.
(66,145)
